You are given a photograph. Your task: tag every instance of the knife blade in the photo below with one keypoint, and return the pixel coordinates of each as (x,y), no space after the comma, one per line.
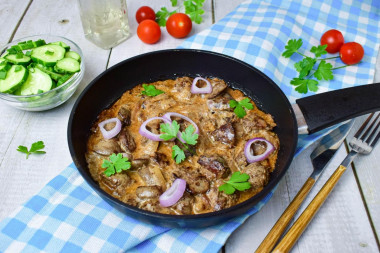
(320,157)
(327,147)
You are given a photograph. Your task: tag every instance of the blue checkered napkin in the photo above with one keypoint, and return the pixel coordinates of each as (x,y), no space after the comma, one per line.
(68,216)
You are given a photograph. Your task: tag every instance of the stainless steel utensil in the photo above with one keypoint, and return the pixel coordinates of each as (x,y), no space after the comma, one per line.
(362,143)
(320,157)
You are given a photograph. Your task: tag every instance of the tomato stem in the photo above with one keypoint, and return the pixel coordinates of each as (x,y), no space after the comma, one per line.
(340,67)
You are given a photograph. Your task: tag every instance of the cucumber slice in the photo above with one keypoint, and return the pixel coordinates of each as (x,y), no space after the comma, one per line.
(16,76)
(48,55)
(37,82)
(67,66)
(12,58)
(74,55)
(50,71)
(4,65)
(63,79)
(62,44)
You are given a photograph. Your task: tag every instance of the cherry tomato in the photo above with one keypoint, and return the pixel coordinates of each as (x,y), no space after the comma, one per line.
(145,12)
(149,31)
(179,25)
(351,53)
(333,39)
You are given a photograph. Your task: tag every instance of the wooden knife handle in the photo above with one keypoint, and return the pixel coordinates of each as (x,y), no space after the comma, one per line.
(286,217)
(307,215)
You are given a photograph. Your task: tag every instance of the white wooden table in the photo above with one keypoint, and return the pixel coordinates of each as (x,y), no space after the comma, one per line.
(349,221)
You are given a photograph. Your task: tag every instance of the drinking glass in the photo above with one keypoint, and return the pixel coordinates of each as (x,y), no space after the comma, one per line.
(105,22)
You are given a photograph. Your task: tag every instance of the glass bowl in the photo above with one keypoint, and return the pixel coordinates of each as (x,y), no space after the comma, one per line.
(50,99)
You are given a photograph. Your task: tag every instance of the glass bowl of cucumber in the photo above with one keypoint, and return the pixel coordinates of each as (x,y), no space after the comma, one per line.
(39,72)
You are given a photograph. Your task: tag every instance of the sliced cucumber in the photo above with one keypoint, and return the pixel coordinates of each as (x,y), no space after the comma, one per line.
(50,71)
(16,76)
(48,55)
(4,65)
(74,55)
(67,66)
(62,44)
(63,79)
(37,82)
(24,60)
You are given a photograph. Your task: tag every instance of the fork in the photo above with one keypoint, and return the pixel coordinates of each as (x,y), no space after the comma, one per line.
(362,143)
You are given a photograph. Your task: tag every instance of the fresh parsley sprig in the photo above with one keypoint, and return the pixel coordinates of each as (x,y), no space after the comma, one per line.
(193,8)
(115,164)
(151,91)
(170,131)
(238,181)
(34,149)
(306,67)
(240,105)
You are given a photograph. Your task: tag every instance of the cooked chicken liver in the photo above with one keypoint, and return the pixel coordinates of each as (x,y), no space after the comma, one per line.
(219,151)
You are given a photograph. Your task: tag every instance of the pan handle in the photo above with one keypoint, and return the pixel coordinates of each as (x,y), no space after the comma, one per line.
(329,108)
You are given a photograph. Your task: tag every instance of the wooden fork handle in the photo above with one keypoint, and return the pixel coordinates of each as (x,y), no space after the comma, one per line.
(307,215)
(286,217)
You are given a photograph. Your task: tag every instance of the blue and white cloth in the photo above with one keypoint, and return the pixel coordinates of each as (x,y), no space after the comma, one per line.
(68,216)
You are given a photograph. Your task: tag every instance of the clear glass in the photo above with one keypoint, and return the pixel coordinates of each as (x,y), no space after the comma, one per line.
(54,97)
(105,22)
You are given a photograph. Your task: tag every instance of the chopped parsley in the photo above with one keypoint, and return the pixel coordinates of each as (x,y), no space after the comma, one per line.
(240,105)
(34,149)
(150,90)
(115,164)
(238,181)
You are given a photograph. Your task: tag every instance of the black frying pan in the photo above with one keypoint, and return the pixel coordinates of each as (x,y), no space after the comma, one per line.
(320,111)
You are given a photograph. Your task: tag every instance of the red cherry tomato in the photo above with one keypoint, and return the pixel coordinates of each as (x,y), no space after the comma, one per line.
(179,25)
(333,39)
(144,13)
(149,31)
(351,53)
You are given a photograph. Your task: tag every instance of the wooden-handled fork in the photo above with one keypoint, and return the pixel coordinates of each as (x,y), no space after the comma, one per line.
(362,143)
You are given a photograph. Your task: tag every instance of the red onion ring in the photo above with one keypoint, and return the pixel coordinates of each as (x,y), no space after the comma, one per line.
(205,90)
(148,134)
(174,193)
(170,114)
(256,158)
(113,132)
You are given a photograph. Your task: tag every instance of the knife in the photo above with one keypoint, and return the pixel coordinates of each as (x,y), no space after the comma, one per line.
(320,158)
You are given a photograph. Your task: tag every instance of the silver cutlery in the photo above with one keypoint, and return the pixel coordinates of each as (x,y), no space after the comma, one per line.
(320,157)
(362,143)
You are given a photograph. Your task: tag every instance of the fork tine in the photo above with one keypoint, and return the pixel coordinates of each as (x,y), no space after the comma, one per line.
(371,131)
(361,129)
(377,137)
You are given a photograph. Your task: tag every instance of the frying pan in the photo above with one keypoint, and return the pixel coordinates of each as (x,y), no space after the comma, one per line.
(314,113)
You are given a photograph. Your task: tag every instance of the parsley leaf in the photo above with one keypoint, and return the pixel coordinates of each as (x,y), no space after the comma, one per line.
(305,66)
(34,149)
(170,130)
(324,71)
(303,85)
(189,135)
(162,15)
(240,105)
(193,8)
(151,91)
(178,154)
(115,164)
(292,47)
(319,51)
(238,181)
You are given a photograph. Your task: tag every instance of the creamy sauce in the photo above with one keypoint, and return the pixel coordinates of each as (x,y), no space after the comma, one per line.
(213,116)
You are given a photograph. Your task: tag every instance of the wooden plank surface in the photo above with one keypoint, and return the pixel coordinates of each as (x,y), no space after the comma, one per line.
(341,225)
